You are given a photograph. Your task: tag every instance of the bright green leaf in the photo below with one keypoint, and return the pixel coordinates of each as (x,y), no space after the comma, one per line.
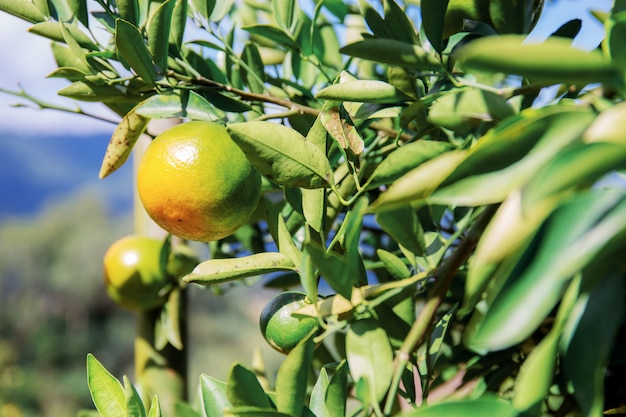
(243,388)
(53,30)
(282,154)
(106,391)
(131,47)
(213,396)
(293,376)
(23,9)
(369,91)
(134,404)
(392,52)
(158,29)
(481,407)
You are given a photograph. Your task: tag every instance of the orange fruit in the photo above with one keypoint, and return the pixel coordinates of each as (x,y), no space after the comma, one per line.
(280,328)
(134,276)
(196,183)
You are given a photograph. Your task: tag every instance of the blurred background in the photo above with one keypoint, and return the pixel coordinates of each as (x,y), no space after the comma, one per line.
(57,220)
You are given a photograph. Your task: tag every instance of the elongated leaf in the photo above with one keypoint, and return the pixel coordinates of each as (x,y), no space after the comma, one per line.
(405,158)
(284,13)
(129,10)
(596,317)
(280,233)
(155,408)
(419,183)
(134,404)
(553,60)
(131,47)
(333,268)
(158,28)
(608,126)
(91,92)
(282,154)
(463,110)
(243,389)
(481,407)
(337,392)
(215,271)
(25,10)
(341,128)
(213,396)
(575,234)
(433,16)
(392,52)
(317,402)
(122,141)
(275,34)
(394,265)
(404,227)
(177,28)
(244,411)
(188,104)
(369,91)
(65,58)
(253,73)
(106,391)
(370,356)
(53,30)
(293,376)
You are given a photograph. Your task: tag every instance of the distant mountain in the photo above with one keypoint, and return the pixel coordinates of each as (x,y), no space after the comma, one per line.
(38,170)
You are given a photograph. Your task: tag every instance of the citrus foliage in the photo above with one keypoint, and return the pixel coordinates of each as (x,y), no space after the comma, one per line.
(464,225)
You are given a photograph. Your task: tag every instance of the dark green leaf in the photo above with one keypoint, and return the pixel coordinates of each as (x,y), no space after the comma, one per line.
(333,268)
(398,23)
(568,29)
(293,376)
(203,7)
(253,73)
(106,391)
(243,388)
(177,28)
(128,10)
(188,104)
(158,29)
(132,48)
(88,91)
(433,14)
(404,227)
(282,154)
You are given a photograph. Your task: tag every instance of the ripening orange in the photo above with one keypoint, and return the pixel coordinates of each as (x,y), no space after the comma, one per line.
(196,183)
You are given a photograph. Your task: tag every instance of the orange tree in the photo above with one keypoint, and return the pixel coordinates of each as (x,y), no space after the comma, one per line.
(466,232)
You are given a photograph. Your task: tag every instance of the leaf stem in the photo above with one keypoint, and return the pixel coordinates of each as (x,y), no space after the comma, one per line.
(422,324)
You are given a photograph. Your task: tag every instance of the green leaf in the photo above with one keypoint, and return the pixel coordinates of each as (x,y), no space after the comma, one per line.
(246,411)
(433,16)
(370,356)
(293,376)
(317,402)
(188,104)
(132,48)
(203,7)
(436,340)
(589,337)
(405,158)
(122,141)
(615,29)
(213,396)
(332,267)
(484,406)
(573,236)
(253,73)
(282,154)
(65,58)
(337,392)
(608,126)
(398,23)
(134,405)
(284,13)
(158,29)
(465,109)
(419,183)
(369,91)
(92,92)
(394,265)
(128,10)
(216,271)
(274,34)
(553,60)
(106,391)
(155,408)
(54,31)
(280,233)
(342,129)
(243,389)
(177,28)
(392,52)
(25,10)
(404,227)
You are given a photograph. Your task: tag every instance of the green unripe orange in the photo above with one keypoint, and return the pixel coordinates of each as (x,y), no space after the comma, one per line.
(280,327)
(134,275)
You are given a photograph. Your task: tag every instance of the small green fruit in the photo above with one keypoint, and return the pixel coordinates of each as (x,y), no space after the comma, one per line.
(134,276)
(280,328)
